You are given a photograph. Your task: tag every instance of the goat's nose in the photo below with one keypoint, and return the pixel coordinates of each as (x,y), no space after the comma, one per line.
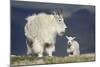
(69,46)
(65,26)
(69,43)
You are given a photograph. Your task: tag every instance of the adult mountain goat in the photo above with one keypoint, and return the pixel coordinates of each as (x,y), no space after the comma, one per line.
(72,46)
(41,31)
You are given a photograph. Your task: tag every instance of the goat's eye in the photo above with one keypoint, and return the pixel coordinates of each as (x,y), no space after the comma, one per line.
(60,20)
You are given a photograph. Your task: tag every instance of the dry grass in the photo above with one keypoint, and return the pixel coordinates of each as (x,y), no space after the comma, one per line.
(51,60)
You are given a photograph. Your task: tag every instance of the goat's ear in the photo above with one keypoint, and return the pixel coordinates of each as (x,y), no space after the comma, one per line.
(74,37)
(54,13)
(67,37)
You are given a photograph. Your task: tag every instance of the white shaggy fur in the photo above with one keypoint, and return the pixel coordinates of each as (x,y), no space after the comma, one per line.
(41,31)
(72,46)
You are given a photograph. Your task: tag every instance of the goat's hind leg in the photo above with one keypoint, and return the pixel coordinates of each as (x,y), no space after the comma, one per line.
(29,48)
(38,48)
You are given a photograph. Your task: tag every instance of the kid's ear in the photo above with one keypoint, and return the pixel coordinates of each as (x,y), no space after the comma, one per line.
(74,37)
(67,37)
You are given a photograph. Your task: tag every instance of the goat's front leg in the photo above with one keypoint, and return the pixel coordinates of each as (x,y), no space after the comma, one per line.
(50,50)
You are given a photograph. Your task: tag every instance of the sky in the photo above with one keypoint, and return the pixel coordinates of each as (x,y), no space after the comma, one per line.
(80,20)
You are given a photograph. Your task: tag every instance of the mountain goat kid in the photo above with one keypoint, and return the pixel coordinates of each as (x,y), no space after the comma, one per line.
(72,46)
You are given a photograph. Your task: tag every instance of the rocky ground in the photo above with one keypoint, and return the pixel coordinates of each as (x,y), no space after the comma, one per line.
(28,60)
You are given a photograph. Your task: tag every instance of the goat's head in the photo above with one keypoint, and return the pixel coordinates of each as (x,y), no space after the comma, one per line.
(60,25)
(70,39)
